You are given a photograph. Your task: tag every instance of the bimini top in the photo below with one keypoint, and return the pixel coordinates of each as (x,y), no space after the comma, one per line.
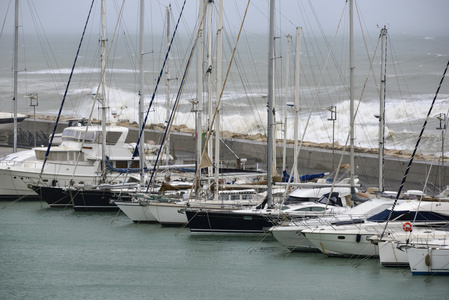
(428,211)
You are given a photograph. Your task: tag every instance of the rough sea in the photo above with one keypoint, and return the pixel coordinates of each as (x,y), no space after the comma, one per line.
(414,69)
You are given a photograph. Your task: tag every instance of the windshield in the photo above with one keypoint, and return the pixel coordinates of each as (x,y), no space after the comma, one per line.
(69,134)
(334,199)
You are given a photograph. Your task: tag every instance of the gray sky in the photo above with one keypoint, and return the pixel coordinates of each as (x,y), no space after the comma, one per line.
(428,18)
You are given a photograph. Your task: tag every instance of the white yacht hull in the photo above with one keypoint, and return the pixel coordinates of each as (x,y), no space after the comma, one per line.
(360,242)
(429,260)
(168,213)
(136,212)
(15,180)
(291,238)
(356,240)
(391,256)
(343,244)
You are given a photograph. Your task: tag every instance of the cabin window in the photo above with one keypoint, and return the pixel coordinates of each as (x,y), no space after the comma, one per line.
(59,156)
(223,197)
(303,209)
(135,164)
(90,136)
(310,209)
(69,134)
(317,208)
(112,137)
(123,164)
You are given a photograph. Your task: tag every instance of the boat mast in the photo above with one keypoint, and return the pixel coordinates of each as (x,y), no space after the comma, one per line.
(351,95)
(102,96)
(284,108)
(298,54)
(218,79)
(270,108)
(141,96)
(167,83)
(209,83)
(383,78)
(199,94)
(274,122)
(16,69)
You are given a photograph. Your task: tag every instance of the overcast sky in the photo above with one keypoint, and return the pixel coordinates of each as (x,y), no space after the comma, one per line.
(429,18)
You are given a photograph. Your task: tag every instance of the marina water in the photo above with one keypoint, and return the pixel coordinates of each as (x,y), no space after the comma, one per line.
(49,253)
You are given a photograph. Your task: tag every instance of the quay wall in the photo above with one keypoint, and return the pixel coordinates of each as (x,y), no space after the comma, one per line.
(310,159)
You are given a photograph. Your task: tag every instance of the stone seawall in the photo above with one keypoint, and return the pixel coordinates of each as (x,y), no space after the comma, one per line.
(311,159)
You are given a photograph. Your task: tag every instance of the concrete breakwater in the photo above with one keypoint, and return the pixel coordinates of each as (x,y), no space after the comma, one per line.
(312,157)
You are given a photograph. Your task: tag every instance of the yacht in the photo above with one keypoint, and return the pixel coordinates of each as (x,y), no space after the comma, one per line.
(76,161)
(290,234)
(354,239)
(431,258)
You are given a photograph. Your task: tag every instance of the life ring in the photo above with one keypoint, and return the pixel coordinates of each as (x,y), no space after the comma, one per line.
(407,226)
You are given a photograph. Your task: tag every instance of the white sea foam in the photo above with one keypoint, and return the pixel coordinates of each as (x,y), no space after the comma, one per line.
(319,128)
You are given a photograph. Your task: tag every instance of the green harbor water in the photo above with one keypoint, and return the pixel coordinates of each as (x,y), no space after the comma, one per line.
(51,253)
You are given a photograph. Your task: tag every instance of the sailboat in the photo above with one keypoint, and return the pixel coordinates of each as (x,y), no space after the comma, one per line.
(393,247)
(429,258)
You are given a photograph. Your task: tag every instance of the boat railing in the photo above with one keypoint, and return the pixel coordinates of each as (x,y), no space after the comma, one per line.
(10,162)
